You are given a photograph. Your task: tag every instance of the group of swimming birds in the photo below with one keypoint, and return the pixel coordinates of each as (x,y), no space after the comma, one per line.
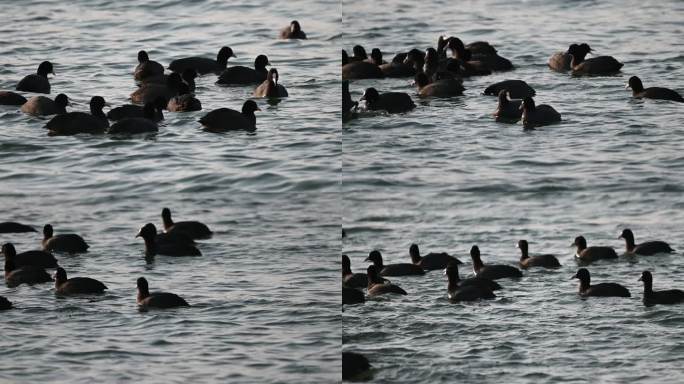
(437,74)
(157,91)
(29,267)
(483,284)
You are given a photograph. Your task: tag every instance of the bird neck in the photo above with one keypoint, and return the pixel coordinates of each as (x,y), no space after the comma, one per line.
(648,287)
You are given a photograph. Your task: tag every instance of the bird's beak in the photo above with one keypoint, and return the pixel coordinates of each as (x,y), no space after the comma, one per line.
(573,245)
(363,97)
(640,279)
(367,259)
(517,245)
(620,237)
(445,271)
(627,86)
(573,276)
(234,55)
(138,235)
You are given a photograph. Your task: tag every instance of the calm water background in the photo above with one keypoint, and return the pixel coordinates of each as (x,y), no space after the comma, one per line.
(446,176)
(262,311)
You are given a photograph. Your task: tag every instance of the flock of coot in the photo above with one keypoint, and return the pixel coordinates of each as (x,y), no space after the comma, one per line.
(29,267)
(156,91)
(438,74)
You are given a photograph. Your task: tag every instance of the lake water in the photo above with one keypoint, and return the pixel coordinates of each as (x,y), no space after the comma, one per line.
(446,176)
(262,310)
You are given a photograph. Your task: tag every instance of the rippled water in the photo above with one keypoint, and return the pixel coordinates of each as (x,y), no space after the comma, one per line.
(446,176)
(260,309)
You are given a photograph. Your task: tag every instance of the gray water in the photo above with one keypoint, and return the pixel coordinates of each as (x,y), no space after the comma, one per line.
(446,176)
(261,308)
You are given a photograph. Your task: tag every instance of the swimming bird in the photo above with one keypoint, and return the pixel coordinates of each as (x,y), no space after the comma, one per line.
(13,227)
(645,249)
(136,125)
(361,70)
(355,367)
(184,101)
(638,91)
(469,67)
(404,65)
(455,281)
(432,260)
(600,65)
(76,285)
(350,279)
(270,87)
(133,110)
(651,297)
(392,102)
(241,75)
(194,229)
(72,123)
(601,289)
(43,106)
(561,61)
(292,31)
(517,89)
(204,65)
(538,115)
(377,287)
(154,247)
(226,119)
(359,54)
(439,88)
(67,242)
(485,53)
(149,92)
(400,269)
(161,300)
(376,57)
(588,254)
(491,271)
(457,291)
(39,259)
(352,295)
(27,274)
(508,110)
(11,98)
(4,303)
(38,82)
(526,261)
(348,105)
(146,68)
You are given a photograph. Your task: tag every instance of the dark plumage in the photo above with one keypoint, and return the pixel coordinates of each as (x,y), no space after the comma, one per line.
(439,88)
(13,227)
(359,54)
(184,101)
(538,115)
(588,254)
(526,261)
(404,65)
(25,275)
(392,102)
(432,260)
(659,93)
(270,87)
(361,70)
(194,229)
(43,106)
(469,67)
(4,303)
(355,367)
(561,61)
(348,105)
(241,75)
(600,65)
(470,289)
(73,123)
(11,98)
(149,92)
(376,57)
(132,110)
(38,82)
(508,111)
(401,269)
(491,271)
(226,119)
(645,249)
(136,125)
(651,297)
(352,295)
(377,286)
(68,242)
(160,300)
(350,279)
(76,285)
(146,68)
(602,289)
(39,259)
(155,247)
(517,89)
(292,31)
(204,65)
